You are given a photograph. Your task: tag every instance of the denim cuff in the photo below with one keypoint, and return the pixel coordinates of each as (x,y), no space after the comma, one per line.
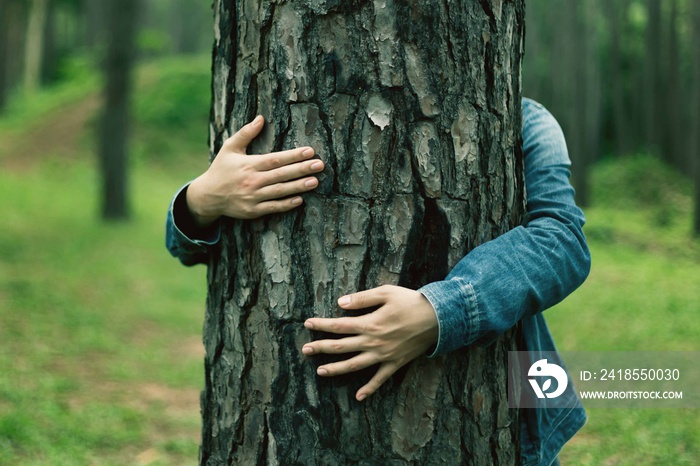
(189,243)
(457,313)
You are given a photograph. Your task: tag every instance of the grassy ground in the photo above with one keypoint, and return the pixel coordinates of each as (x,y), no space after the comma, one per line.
(643,293)
(100,353)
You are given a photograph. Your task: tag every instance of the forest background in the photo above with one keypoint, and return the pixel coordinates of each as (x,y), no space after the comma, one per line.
(100,330)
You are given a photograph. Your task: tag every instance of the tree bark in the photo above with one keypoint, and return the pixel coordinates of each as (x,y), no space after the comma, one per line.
(114,131)
(415,107)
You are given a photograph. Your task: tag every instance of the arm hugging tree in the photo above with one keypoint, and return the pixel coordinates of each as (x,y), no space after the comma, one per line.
(415,109)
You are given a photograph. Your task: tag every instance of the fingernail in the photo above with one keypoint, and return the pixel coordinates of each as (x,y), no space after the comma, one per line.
(321,371)
(311,183)
(308,152)
(258,120)
(317,166)
(308,325)
(296,201)
(307,350)
(345,300)
(361,397)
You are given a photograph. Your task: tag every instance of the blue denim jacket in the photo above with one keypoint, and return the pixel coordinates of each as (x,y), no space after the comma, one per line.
(509,279)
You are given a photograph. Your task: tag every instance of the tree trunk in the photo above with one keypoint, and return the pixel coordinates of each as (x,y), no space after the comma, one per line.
(186,21)
(114,134)
(4,52)
(34,44)
(95,23)
(616,11)
(673,107)
(416,110)
(652,74)
(575,93)
(12,34)
(49,62)
(695,120)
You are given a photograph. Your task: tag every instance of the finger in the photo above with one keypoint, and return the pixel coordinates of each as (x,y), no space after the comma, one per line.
(275,207)
(339,346)
(280,190)
(292,171)
(244,136)
(266,162)
(363,299)
(356,363)
(340,325)
(385,371)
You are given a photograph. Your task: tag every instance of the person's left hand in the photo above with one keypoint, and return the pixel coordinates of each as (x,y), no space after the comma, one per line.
(401,329)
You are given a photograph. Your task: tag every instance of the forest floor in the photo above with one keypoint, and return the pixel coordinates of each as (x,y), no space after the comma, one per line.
(101,360)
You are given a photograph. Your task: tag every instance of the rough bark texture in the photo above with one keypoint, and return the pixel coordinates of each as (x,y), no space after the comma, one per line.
(415,107)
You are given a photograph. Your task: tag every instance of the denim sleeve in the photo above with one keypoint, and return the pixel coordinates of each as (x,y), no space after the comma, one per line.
(530,268)
(182,240)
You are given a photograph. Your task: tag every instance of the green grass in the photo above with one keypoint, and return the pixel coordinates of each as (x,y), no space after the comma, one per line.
(101,360)
(101,356)
(643,293)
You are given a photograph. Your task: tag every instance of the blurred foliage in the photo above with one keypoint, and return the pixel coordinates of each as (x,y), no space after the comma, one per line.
(171,112)
(639,181)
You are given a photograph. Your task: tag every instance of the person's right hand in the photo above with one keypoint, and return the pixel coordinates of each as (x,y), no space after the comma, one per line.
(247,187)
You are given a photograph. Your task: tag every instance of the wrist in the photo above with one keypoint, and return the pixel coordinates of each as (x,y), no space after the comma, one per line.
(203,213)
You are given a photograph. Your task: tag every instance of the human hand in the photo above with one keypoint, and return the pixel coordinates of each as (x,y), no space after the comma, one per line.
(247,187)
(401,329)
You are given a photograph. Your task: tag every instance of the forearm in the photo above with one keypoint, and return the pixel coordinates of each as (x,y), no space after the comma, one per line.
(518,274)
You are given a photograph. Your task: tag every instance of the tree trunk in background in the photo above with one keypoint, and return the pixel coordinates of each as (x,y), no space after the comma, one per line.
(4,30)
(49,62)
(114,134)
(575,94)
(416,110)
(652,72)
(671,137)
(535,82)
(34,44)
(615,11)
(591,107)
(13,24)
(695,121)
(185,26)
(95,22)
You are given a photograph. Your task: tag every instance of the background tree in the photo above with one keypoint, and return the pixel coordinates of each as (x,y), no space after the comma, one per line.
(695,148)
(416,110)
(652,75)
(113,142)
(12,25)
(4,23)
(34,43)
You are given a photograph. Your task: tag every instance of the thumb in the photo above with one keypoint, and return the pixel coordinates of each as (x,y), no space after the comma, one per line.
(239,141)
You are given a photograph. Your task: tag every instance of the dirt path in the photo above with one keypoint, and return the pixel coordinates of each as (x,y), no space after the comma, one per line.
(59,133)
